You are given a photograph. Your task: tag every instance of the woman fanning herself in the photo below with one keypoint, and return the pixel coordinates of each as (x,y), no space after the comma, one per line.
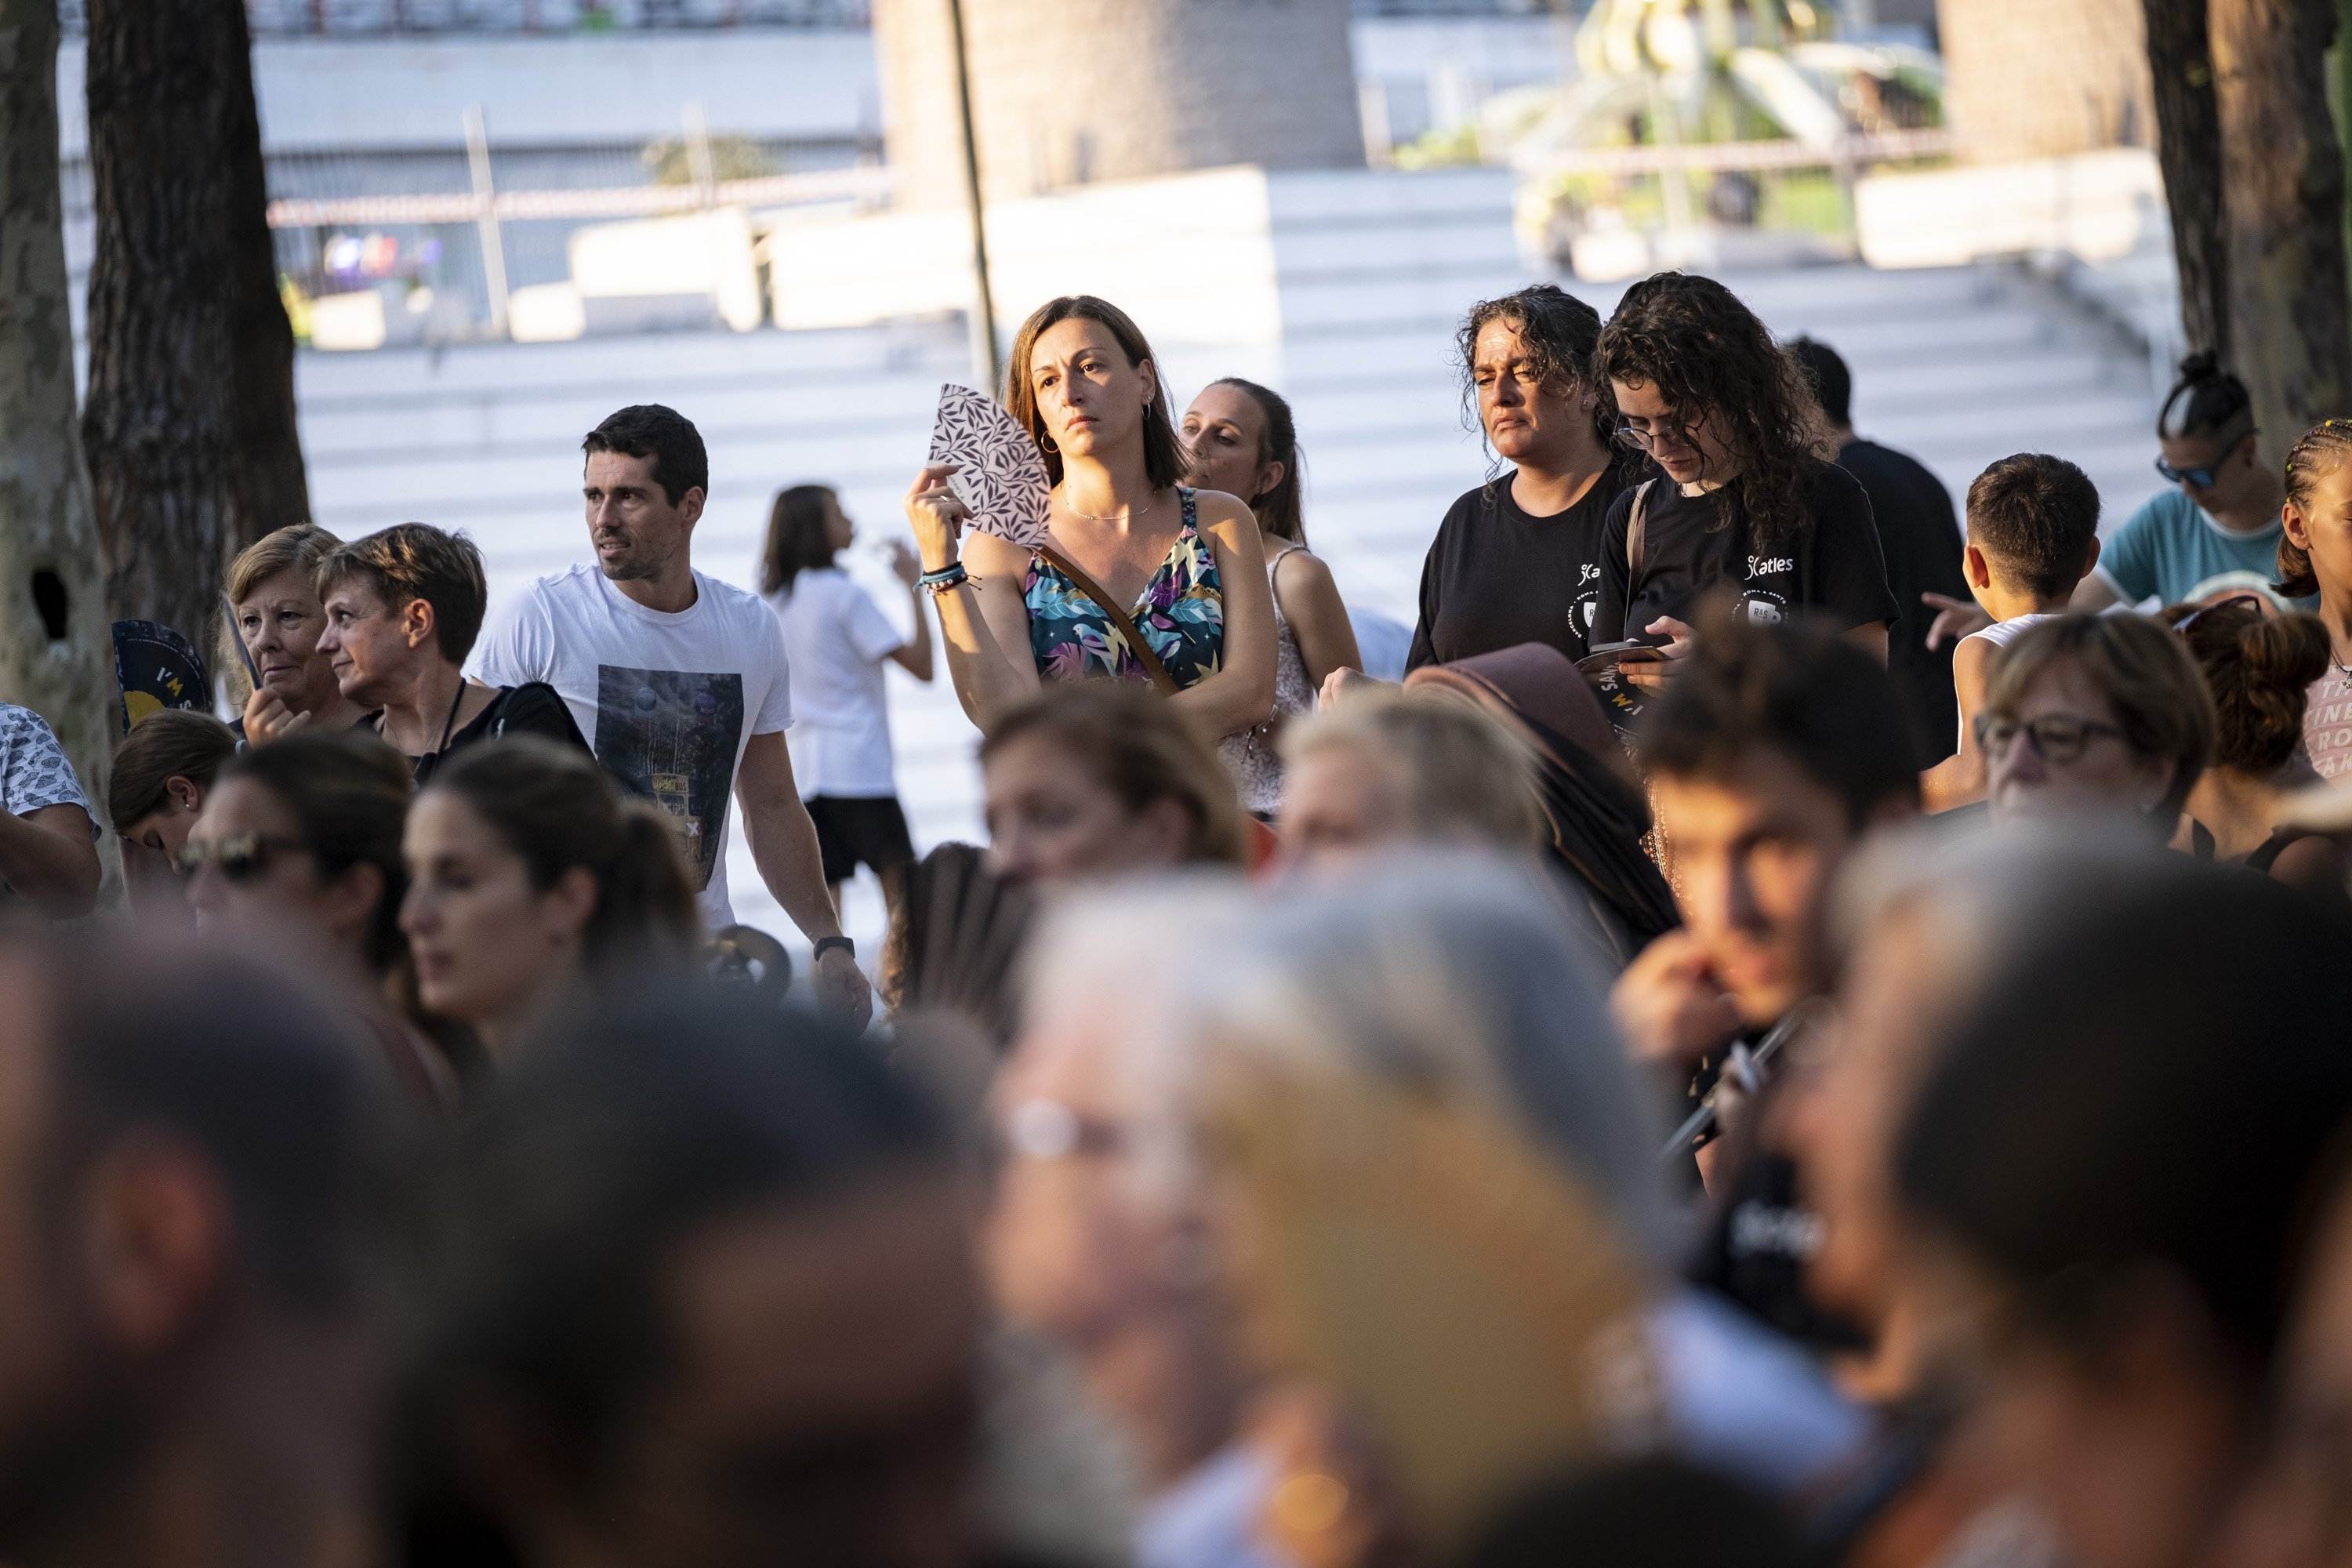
(2314,556)
(403,609)
(1746,500)
(1244,443)
(273,593)
(529,875)
(1130,544)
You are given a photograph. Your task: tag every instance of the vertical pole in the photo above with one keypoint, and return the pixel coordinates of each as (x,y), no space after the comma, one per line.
(486,220)
(984,358)
(699,162)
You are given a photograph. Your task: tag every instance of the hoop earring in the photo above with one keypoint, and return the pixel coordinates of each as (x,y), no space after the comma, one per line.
(1047,443)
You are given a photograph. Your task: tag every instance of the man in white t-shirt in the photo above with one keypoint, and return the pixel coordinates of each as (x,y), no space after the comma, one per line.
(678,680)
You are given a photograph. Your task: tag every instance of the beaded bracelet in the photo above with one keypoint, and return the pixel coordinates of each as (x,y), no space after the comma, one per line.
(939,582)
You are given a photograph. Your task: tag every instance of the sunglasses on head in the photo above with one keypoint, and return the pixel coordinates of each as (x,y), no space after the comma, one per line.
(241,859)
(2191,619)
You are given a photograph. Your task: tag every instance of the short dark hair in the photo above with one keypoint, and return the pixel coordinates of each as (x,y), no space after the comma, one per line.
(552,1213)
(796,537)
(1795,687)
(413,561)
(2035,516)
(2163,1082)
(656,431)
(1833,381)
(261,1075)
(1558,332)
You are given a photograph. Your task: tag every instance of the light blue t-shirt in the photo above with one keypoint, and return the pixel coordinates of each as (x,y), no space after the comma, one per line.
(2170,550)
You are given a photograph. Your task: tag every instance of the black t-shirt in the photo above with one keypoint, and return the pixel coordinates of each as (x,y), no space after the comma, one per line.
(530,708)
(1496,577)
(1831,570)
(1921,541)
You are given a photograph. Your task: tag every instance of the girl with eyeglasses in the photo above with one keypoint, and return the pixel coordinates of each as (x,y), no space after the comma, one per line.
(298,848)
(2315,557)
(1743,498)
(2095,716)
(2259,668)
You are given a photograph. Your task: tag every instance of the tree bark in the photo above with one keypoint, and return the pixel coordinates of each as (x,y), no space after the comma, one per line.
(55,639)
(189,421)
(2188,146)
(2282,212)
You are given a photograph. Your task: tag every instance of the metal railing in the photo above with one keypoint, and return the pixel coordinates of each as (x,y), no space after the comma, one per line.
(361,18)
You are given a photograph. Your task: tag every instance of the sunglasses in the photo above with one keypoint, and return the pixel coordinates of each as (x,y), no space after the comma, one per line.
(2191,619)
(2056,738)
(2205,478)
(241,859)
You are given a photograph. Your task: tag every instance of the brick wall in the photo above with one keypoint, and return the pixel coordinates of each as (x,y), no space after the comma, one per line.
(1068,91)
(2031,78)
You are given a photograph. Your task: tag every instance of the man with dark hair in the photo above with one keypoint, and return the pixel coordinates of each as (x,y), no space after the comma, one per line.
(678,680)
(700,1295)
(1919,536)
(1773,756)
(189,1262)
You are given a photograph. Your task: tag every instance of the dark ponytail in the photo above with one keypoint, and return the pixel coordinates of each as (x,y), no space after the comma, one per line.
(2205,401)
(2322,447)
(558,810)
(1280,513)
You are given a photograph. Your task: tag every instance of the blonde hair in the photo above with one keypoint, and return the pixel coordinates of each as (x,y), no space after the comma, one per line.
(1465,776)
(2146,675)
(297,547)
(1140,748)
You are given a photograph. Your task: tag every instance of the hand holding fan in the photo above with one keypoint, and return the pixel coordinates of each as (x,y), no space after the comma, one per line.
(1001,474)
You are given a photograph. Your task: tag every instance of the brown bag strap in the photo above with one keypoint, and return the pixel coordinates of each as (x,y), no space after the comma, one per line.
(1637,537)
(1120,618)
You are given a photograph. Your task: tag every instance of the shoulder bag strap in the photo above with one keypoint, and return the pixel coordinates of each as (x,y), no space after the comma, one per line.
(1118,618)
(1637,530)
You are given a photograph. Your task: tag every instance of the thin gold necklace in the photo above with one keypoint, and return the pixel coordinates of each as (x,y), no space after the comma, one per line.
(1130,515)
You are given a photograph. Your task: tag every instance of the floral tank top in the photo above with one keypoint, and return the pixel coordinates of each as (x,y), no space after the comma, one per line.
(1182,615)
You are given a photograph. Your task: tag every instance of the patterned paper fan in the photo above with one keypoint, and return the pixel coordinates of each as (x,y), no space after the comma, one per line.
(1004,476)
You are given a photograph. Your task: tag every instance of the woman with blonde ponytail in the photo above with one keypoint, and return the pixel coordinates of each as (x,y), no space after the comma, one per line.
(2259,666)
(532,875)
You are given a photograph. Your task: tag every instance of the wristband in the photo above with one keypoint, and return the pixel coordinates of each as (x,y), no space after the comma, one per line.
(948,576)
(825,945)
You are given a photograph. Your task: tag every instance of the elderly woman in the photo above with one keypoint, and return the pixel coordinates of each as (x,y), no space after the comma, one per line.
(273,593)
(402,607)
(2091,716)
(1450,981)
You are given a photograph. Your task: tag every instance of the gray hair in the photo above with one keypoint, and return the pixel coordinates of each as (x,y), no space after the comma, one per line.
(1459,975)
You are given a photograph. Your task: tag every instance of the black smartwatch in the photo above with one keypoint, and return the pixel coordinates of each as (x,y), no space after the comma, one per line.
(825,945)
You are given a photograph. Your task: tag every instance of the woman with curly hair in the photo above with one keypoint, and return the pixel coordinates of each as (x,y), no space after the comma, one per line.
(1745,499)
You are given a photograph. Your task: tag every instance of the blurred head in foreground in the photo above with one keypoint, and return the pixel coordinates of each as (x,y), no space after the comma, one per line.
(191,1186)
(698,1295)
(2123,1141)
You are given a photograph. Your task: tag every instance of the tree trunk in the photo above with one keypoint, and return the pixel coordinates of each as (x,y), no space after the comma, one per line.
(2282,211)
(55,640)
(2189,146)
(189,423)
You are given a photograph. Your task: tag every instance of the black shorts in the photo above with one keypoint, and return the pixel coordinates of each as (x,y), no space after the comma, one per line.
(851,833)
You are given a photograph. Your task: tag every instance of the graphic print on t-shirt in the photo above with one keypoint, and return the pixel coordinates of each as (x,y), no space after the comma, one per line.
(671,735)
(1767,606)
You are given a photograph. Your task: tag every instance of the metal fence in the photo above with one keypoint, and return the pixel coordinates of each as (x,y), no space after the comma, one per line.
(301,18)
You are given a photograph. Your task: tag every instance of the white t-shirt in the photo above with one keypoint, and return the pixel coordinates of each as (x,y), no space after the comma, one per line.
(836,639)
(668,700)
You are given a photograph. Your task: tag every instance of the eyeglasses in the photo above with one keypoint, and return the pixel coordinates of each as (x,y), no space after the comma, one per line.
(2191,619)
(1644,438)
(241,859)
(2058,739)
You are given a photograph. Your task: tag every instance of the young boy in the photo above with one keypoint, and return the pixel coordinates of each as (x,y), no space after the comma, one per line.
(2033,534)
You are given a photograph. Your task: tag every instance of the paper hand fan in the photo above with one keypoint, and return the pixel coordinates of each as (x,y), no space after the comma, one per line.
(1003,477)
(1445,1281)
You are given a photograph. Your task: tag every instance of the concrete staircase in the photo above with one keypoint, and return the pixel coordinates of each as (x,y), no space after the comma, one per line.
(1958,367)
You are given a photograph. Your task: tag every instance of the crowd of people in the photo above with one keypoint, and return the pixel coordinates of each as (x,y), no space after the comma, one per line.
(1794,1030)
